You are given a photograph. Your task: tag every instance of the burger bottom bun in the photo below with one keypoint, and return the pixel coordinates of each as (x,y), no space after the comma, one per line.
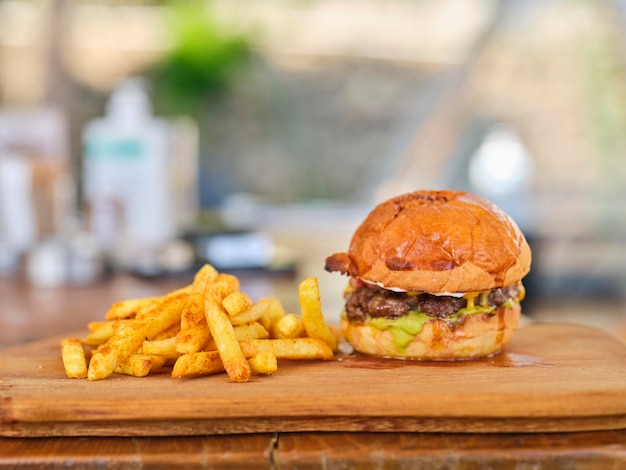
(480,335)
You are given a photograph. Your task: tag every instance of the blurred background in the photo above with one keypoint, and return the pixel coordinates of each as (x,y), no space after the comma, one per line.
(140,139)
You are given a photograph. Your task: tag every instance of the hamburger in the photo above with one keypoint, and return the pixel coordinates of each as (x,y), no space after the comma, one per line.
(434,275)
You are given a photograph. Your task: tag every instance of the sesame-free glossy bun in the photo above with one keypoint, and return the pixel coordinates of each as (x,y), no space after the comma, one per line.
(479,335)
(436,241)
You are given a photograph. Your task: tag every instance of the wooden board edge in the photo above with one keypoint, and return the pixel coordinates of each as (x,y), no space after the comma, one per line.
(311,424)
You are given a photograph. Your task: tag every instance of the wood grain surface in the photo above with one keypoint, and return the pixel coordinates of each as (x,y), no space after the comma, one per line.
(328,450)
(552,377)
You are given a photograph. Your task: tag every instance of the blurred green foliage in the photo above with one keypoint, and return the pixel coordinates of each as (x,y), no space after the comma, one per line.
(202,61)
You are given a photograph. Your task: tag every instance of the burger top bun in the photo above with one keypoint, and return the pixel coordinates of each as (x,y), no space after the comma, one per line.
(436,242)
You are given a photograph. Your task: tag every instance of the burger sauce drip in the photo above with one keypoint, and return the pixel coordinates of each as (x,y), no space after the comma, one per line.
(439,331)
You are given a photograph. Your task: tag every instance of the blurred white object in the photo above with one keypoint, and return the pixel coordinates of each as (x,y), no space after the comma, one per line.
(47,265)
(239,251)
(501,164)
(130,176)
(35,182)
(18,227)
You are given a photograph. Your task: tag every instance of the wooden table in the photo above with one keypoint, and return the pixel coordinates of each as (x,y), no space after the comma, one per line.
(28,314)
(587,450)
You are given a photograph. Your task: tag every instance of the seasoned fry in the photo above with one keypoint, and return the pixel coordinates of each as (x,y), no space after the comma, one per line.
(95,325)
(236,302)
(225,284)
(252,330)
(296,349)
(129,308)
(126,342)
(290,326)
(221,328)
(257,311)
(312,315)
(137,365)
(200,363)
(209,362)
(170,332)
(207,327)
(272,313)
(161,347)
(102,331)
(194,331)
(263,363)
(74,360)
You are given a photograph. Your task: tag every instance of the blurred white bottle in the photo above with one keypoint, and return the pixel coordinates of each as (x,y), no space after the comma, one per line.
(126,181)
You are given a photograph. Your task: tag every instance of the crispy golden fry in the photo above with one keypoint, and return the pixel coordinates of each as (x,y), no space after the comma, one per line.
(255,312)
(312,316)
(199,363)
(147,311)
(99,332)
(161,347)
(74,359)
(126,342)
(95,325)
(272,314)
(236,302)
(296,348)
(194,331)
(225,284)
(209,362)
(221,328)
(252,330)
(102,331)
(129,308)
(290,326)
(170,332)
(137,365)
(135,308)
(206,327)
(159,361)
(263,363)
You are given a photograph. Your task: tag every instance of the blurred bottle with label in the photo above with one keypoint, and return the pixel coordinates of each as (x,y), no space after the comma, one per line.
(139,179)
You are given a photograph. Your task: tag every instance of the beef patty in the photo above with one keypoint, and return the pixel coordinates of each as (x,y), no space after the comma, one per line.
(378,302)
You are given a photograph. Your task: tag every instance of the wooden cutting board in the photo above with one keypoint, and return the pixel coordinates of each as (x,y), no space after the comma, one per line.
(552,377)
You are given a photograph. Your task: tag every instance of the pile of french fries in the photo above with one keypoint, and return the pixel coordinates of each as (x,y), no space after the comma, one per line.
(207,327)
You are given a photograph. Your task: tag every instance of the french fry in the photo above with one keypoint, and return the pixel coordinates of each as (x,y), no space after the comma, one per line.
(102,331)
(255,313)
(274,312)
(312,316)
(146,309)
(74,359)
(209,362)
(199,363)
(206,327)
(170,332)
(95,325)
(221,328)
(225,284)
(263,363)
(161,347)
(137,365)
(123,344)
(158,362)
(236,302)
(290,326)
(194,331)
(295,349)
(128,308)
(252,330)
